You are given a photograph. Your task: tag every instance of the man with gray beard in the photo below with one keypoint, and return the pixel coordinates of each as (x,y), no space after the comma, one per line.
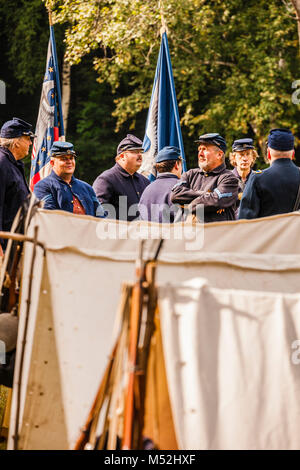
(211,186)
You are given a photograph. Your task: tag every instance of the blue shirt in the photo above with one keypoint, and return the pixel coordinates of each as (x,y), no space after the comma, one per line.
(271,191)
(120,192)
(13,189)
(155,203)
(57,194)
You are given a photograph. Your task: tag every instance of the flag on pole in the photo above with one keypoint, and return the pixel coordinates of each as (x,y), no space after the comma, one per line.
(163,125)
(49,126)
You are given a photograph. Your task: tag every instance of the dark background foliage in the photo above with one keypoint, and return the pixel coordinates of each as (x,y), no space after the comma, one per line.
(233,63)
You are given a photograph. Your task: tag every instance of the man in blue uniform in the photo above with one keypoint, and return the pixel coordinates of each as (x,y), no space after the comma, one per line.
(274,190)
(60,190)
(119,189)
(155,203)
(242,158)
(15,140)
(211,186)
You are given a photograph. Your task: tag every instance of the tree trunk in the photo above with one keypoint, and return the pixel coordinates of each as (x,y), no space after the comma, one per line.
(66,91)
(296,5)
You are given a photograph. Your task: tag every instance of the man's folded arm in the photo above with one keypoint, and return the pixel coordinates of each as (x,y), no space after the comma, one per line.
(182,193)
(223,196)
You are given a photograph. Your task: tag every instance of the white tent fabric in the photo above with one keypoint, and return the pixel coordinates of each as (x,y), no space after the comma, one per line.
(76,286)
(229,355)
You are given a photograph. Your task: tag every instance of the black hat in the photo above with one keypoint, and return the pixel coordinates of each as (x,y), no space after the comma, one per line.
(167,153)
(129,143)
(62,148)
(281,139)
(242,144)
(215,139)
(16,128)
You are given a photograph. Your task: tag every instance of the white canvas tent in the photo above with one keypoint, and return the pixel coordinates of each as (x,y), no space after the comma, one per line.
(230,315)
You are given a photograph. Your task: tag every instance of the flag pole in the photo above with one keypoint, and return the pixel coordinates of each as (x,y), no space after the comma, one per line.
(50,16)
(163,33)
(62,131)
(164,28)
(176,113)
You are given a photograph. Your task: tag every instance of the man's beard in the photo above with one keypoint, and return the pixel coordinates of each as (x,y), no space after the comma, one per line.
(204,166)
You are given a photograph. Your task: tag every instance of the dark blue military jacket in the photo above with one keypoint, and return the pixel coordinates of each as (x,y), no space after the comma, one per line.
(116,182)
(7,369)
(13,188)
(242,185)
(57,194)
(271,191)
(155,203)
(216,190)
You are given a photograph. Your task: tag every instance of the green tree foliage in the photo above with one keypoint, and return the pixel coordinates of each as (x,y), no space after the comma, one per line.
(25,36)
(91,126)
(234,62)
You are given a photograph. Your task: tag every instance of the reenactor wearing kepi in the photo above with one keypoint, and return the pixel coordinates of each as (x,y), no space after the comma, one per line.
(119,189)
(61,191)
(155,203)
(242,158)
(274,190)
(15,139)
(211,185)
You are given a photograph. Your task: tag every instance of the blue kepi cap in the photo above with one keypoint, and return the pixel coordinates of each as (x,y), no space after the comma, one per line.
(242,144)
(131,142)
(214,139)
(62,148)
(16,128)
(167,153)
(281,139)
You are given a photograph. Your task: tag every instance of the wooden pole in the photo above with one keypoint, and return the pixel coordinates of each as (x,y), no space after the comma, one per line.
(164,28)
(50,17)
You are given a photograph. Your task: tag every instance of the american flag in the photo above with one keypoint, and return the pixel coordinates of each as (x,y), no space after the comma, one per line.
(49,126)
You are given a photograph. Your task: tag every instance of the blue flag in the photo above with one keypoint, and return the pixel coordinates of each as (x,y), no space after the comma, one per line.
(163,125)
(49,126)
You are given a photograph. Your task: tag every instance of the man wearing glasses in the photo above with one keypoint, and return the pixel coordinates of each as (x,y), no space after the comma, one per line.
(15,139)
(211,187)
(120,188)
(60,190)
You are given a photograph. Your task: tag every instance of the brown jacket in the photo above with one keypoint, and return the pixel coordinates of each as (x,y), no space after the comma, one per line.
(217,190)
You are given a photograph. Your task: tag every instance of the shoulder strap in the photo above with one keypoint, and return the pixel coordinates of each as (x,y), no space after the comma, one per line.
(297,203)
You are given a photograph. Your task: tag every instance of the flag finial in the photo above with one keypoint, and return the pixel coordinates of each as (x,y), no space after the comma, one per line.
(49,6)
(164,28)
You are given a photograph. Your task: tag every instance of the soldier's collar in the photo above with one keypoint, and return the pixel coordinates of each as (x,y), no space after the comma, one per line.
(60,179)
(215,171)
(166,174)
(123,171)
(236,173)
(11,158)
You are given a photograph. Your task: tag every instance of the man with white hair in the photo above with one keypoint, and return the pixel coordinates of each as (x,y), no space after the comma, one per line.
(274,190)
(15,139)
